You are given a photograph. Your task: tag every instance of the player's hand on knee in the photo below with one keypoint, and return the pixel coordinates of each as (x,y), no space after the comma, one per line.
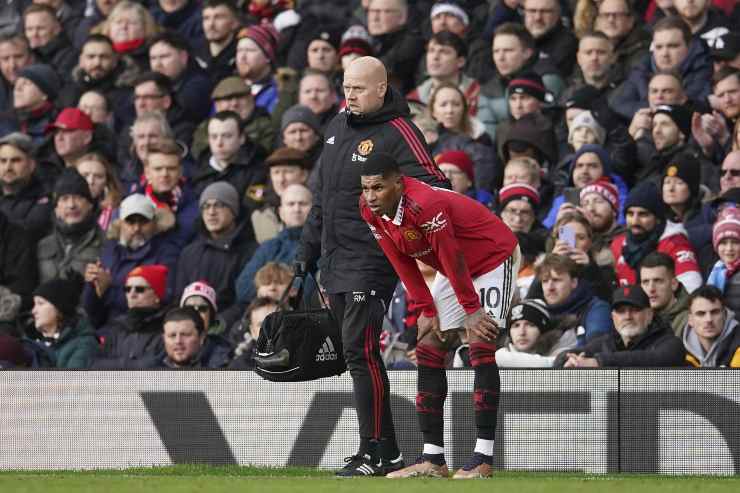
(428,325)
(482,325)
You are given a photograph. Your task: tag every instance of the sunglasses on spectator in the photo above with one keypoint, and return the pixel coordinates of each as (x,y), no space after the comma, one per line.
(200,308)
(733,172)
(136,289)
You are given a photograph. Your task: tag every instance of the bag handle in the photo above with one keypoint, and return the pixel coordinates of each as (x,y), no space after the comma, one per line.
(285,299)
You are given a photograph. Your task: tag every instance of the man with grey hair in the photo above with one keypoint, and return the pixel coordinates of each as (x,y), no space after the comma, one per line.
(137,238)
(23,198)
(355,273)
(400,46)
(553,41)
(639,339)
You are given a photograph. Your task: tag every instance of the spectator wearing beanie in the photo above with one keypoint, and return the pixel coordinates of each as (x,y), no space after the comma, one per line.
(648,231)
(517,205)
(601,204)
(726,243)
(225,242)
(132,339)
(671,131)
(530,339)
(458,168)
(63,337)
(202,297)
(355,43)
(34,102)
(76,239)
(259,69)
(589,164)
(300,129)
(585,130)
(681,188)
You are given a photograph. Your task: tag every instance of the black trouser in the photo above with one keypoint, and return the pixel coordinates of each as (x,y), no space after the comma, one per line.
(361,318)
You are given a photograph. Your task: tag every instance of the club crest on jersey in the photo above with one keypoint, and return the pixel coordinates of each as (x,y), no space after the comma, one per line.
(411,235)
(365,147)
(437,223)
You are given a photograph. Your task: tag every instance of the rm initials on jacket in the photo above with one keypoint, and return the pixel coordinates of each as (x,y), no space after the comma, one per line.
(327,352)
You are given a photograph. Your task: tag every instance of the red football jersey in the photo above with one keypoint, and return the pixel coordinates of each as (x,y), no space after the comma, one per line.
(450,232)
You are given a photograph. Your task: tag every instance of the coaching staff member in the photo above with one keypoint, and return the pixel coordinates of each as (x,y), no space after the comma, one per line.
(354,271)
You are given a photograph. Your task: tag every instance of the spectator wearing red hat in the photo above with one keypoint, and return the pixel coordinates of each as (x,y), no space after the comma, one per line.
(726,242)
(458,168)
(136,336)
(600,203)
(356,43)
(255,63)
(73,137)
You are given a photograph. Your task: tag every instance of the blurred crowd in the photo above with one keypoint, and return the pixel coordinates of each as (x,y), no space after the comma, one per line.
(157,162)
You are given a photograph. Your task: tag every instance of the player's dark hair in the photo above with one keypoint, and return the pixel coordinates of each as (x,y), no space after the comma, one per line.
(659,259)
(380,163)
(183,314)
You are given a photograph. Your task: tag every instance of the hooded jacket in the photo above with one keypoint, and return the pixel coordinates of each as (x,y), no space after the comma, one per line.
(725,350)
(351,259)
(657,347)
(677,313)
(696,72)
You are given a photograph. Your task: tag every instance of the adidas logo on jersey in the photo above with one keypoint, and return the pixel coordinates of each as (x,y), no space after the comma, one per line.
(330,140)
(327,352)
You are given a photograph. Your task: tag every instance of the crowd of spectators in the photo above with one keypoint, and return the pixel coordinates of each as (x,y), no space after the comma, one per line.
(158,158)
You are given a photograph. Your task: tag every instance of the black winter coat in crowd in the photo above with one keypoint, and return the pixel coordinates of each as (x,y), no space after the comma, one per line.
(131,339)
(18,269)
(658,347)
(30,208)
(351,259)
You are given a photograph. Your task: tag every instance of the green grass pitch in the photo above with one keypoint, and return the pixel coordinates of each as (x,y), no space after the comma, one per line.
(204,479)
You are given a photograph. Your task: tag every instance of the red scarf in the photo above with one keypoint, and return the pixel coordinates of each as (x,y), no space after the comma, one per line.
(128,46)
(168,200)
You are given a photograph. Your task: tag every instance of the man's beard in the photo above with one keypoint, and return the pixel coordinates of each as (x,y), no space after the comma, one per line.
(14,186)
(134,243)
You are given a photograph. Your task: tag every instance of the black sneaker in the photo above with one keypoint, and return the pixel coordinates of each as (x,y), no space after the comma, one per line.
(392,465)
(360,466)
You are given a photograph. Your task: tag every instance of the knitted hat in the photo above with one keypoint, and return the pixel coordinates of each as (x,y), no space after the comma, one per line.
(680,114)
(727,226)
(64,294)
(327,33)
(44,77)
(519,191)
(356,45)
(686,167)
(459,159)
(530,83)
(357,32)
(586,119)
(302,114)
(533,311)
(223,192)
(606,161)
(230,87)
(583,98)
(287,156)
(72,119)
(12,353)
(10,305)
(70,182)
(647,196)
(202,289)
(155,275)
(447,7)
(265,36)
(604,187)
